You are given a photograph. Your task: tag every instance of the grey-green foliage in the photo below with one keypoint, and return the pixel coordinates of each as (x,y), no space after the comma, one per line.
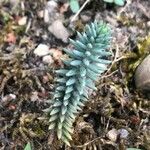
(117,2)
(87,61)
(74,5)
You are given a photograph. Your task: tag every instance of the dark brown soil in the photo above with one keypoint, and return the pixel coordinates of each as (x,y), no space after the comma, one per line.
(26,82)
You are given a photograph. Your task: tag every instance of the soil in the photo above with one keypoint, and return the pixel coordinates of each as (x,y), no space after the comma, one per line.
(117,115)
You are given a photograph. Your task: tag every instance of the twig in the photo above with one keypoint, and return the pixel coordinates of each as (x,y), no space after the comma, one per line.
(80,146)
(73,19)
(113,62)
(4,82)
(106,76)
(37,70)
(6,57)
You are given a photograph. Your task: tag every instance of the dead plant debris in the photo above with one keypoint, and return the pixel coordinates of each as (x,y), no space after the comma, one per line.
(117,116)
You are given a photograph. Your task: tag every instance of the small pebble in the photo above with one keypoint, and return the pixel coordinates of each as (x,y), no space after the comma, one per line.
(59,31)
(50,11)
(34,97)
(112,135)
(40,14)
(123,133)
(41,50)
(51,5)
(22,21)
(46,16)
(148,23)
(48,59)
(13,96)
(6,99)
(142,75)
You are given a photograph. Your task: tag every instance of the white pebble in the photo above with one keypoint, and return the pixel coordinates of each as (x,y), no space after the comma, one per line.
(49,11)
(22,21)
(8,97)
(51,5)
(40,14)
(46,16)
(13,96)
(48,59)
(148,23)
(41,50)
(34,97)
(123,133)
(112,135)
(59,31)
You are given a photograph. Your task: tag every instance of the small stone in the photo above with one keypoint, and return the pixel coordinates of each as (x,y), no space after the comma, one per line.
(34,97)
(40,14)
(112,135)
(123,133)
(50,11)
(46,16)
(22,21)
(8,98)
(13,96)
(142,75)
(59,31)
(48,59)
(41,50)
(148,23)
(51,5)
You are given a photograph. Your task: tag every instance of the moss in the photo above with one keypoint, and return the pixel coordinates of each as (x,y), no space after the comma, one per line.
(133,59)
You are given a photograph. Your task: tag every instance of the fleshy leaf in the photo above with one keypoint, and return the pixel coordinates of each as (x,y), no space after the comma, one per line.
(84,64)
(74,5)
(119,2)
(71,72)
(70,81)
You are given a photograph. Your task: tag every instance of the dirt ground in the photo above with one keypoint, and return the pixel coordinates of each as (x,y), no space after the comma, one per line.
(117,115)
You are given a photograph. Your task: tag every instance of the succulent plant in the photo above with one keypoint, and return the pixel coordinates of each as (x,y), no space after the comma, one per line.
(86,62)
(117,2)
